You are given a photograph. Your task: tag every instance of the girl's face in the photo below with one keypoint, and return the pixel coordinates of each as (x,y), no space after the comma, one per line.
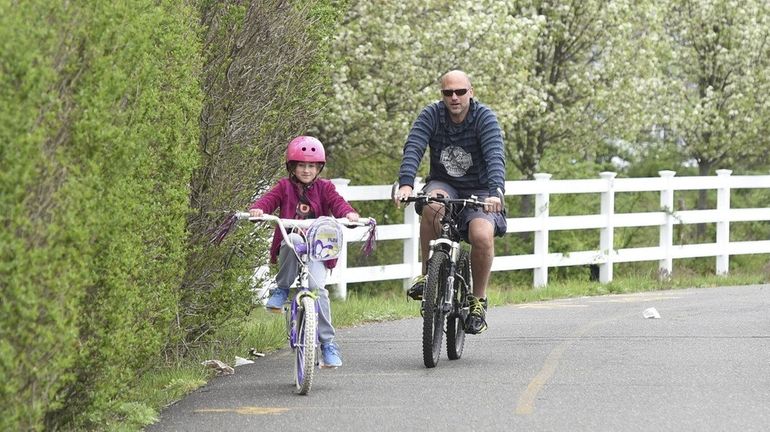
(306,172)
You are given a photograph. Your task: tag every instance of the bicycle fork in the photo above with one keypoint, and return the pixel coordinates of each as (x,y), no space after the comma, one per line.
(292,314)
(454,253)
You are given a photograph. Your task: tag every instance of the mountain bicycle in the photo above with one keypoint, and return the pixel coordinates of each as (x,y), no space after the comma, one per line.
(448,281)
(322,242)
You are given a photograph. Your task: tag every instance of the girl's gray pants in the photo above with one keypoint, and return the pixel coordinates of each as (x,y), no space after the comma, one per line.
(288,270)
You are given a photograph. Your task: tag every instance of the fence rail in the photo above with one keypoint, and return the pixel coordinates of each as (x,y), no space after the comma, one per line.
(541,224)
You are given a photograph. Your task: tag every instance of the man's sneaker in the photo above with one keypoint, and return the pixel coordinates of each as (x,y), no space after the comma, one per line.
(418,286)
(277,299)
(330,356)
(476,321)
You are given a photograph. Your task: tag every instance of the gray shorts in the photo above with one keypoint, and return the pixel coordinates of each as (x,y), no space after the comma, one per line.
(468,214)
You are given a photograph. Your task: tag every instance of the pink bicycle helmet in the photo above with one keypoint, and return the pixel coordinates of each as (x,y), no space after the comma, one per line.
(305,149)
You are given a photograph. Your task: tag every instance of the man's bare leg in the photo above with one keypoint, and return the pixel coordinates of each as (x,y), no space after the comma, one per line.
(481,234)
(430,227)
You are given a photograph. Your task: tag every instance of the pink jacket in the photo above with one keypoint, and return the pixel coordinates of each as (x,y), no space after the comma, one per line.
(324,200)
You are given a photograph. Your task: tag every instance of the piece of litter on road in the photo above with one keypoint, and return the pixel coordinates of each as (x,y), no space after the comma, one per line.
(253,352)
(220,367)
(240,361)
(651,313)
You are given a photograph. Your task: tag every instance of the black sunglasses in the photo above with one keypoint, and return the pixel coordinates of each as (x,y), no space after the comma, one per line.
(458,92)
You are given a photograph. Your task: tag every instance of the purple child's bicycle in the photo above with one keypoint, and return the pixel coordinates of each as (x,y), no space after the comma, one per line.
(322,241)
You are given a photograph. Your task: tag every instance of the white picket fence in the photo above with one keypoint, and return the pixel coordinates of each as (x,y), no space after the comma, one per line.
(541,224)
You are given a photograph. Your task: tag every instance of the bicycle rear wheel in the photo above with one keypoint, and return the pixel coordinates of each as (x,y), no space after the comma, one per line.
(455,330)
(433,314)
(305,348)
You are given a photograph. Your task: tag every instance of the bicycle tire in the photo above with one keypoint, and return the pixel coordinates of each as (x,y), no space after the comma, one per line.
(433,315)
(455,329)
(305,348)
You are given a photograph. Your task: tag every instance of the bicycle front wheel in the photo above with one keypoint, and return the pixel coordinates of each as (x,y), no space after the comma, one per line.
(455,330)
(432,308)
(305,348)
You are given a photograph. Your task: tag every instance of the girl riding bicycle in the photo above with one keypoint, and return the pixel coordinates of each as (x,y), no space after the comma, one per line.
(303,195)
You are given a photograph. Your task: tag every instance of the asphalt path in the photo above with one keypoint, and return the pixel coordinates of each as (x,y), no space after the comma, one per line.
(582,364)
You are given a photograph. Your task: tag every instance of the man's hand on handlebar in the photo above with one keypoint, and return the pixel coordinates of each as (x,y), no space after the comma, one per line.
(493,205)
(403,193)
(352,216)
(255,212)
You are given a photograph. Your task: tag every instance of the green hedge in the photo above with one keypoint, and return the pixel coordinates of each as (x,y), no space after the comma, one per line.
(126,132)
(37,304)
(100,108)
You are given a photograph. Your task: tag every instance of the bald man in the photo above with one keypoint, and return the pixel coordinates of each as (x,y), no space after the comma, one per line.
(466,158)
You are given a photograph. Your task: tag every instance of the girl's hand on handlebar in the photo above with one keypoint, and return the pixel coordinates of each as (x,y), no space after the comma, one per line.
(352,216)
(255,212)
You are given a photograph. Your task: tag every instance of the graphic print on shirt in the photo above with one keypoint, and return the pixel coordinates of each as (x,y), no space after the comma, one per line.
(456,160)
(304,211)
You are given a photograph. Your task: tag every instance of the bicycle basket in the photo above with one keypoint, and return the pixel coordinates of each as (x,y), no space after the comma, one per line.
(325,239)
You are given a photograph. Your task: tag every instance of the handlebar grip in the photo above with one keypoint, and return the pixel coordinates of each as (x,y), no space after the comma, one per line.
(364,221)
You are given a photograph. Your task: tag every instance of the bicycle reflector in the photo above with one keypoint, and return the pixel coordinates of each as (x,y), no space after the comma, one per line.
(325,239)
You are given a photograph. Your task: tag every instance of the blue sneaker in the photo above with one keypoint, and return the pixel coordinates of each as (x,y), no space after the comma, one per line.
(330,356)
(277,299)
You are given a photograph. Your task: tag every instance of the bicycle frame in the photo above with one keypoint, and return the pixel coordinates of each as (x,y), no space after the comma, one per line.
(449,240)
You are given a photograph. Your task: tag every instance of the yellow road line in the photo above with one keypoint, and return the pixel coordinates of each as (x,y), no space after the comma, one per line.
(246,410)
(526,403)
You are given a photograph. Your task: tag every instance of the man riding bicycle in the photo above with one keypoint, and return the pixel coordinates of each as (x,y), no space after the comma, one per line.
(466,158)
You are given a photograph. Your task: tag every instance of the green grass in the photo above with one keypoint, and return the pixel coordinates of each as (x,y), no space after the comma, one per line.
(264,332)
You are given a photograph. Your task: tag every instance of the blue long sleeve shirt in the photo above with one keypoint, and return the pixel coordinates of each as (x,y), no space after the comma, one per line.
(467,156)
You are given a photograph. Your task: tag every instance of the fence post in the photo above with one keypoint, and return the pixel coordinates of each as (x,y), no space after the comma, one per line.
(542,202)
(665,266)
(607,239)
(342,262)
(723,225)
(412,244)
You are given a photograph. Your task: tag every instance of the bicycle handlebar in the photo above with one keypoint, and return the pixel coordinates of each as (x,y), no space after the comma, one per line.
(306,223)
(473,201)
(469,202)
(225,227)
(300,223)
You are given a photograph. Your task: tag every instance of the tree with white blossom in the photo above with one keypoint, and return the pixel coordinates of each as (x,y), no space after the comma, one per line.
(715,55)
(390,57)
(568,75)
(718,70)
